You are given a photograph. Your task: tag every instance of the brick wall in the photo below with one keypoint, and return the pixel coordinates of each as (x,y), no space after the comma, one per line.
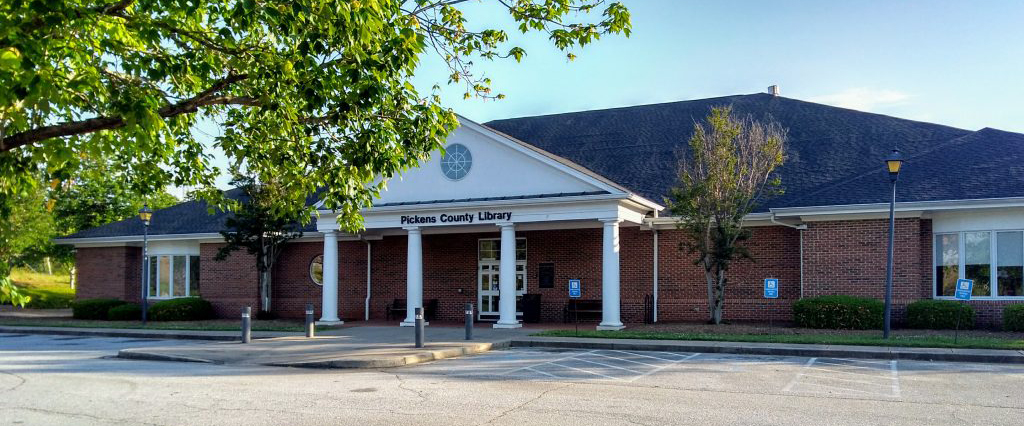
(849,257)
(840,257)
(230,284)
(683,294)
(109,272)
(450,273)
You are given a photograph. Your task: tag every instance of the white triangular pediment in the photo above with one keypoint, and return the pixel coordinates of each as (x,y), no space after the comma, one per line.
(500,167)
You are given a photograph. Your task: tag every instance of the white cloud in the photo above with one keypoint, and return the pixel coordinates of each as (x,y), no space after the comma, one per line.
(864,99)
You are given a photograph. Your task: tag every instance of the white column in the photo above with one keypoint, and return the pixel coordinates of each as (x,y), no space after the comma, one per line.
(413,276)
(507,278)
(610,277)
(329,306)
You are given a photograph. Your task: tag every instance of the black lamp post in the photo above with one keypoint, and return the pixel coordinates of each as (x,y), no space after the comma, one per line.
(893,163)
(145,213)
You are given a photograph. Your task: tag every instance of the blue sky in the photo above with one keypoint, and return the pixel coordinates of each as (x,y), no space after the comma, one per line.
(954,63)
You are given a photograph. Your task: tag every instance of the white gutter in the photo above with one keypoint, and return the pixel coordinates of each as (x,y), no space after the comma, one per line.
(982,203)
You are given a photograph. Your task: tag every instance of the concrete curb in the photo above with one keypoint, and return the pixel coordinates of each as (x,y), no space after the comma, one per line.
(139,355)
(821,351)
(142,334)
(398,361)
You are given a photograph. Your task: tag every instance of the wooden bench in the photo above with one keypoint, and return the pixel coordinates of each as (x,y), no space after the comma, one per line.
(399,307)
(583,310)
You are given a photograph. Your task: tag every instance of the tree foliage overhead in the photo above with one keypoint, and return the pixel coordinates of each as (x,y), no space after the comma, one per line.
(310,93)
(314,94)
(728,169)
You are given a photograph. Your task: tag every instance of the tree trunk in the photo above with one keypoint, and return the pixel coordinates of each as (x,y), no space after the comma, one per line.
(74,275)
(709,276)
(719,297)
(49,266)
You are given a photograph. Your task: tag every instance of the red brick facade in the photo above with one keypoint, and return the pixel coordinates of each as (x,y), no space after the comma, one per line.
(839,257)
(109,272)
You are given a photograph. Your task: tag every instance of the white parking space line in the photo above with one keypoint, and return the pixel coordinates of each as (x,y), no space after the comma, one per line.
(857,373)
(854,366)
(544,373)
(687,358)
(792,383)
(584,370)
(829,376)
(895,378)
(624,359)
(607,365)
(546,362)
(642,355)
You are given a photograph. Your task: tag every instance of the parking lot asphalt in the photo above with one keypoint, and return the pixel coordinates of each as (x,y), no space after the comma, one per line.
(74,380)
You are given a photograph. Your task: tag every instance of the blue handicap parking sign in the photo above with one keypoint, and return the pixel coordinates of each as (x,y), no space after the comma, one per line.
(964,288)
(771,288)
(575,289)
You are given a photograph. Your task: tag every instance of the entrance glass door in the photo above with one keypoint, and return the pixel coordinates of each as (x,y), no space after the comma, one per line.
(488,271)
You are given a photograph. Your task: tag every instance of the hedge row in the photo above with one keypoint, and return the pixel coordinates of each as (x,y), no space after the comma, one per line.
(836,312)
(184,309)
(861,313)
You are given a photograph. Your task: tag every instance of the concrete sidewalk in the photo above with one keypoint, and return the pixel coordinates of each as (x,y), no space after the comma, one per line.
(229,336)
(350,347)
(779,349)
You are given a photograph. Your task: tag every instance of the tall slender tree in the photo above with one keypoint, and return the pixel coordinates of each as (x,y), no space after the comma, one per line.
(260,229)
(727,171)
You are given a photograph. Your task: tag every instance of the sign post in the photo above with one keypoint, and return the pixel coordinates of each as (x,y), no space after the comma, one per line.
(964,289)
(771,291)
(575,291)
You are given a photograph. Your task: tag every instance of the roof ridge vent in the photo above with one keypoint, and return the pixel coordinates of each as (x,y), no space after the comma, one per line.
(773,90)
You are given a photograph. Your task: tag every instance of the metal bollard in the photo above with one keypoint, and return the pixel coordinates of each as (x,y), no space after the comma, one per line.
(246,324)
(469,321)
(419,327)
(310,323)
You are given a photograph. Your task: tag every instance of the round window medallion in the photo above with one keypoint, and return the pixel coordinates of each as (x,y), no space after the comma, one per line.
(456,162)
(316,270)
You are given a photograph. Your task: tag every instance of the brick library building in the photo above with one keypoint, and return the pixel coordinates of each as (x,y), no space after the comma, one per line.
(518,208)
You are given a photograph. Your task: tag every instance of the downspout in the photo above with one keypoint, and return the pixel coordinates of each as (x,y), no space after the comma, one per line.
(366,303)
(654,315)
(801,228)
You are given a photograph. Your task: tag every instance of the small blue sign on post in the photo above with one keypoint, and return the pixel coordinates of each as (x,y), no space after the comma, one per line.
(771,288)
(575,289)
(964,288)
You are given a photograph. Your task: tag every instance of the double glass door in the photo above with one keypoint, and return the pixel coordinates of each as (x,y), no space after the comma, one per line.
(488,272)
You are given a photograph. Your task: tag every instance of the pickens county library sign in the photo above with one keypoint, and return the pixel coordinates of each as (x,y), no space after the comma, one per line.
(457,218)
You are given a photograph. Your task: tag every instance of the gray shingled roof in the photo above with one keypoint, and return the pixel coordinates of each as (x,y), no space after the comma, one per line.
(835,156)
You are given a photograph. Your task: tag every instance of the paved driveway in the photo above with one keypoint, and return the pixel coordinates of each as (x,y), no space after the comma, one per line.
(71,380)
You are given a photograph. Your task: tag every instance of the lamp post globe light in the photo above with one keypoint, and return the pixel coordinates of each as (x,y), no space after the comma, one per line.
(146,214)
(893,162)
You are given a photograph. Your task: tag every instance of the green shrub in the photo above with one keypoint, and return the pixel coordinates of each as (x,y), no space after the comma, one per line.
(939,314)
(184,309)
(859,313)
(1013,318)
(93,309)
(125,312)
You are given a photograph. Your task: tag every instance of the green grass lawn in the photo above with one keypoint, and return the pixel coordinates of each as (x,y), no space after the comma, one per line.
(47,291)
(209,325)
(824,339)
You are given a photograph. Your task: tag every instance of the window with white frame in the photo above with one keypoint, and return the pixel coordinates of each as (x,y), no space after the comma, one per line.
(173,276)
(993,259)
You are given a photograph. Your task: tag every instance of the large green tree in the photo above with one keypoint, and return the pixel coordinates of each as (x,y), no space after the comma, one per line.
(727,171)
(310,93)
